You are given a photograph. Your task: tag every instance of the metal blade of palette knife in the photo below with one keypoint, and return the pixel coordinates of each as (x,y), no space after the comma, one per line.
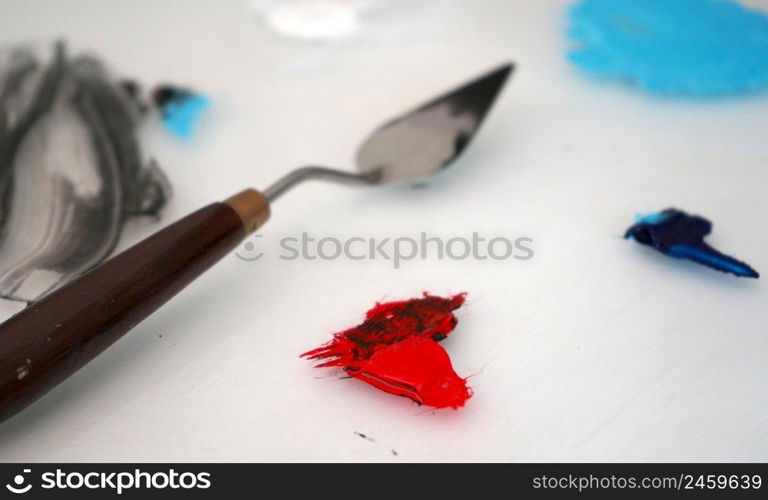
(428,138)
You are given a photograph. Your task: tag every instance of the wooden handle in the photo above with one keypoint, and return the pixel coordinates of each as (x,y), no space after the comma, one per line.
(54,337)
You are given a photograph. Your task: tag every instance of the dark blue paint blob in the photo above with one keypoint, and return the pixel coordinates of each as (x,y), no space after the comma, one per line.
(677,234)
(180,108)
(691,47)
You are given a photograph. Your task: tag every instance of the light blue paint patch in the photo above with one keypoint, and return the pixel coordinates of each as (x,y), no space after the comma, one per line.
(181,116)
(693,47)
(651,218)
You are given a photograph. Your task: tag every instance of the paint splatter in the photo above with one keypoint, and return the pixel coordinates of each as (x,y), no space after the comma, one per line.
(71,168)
(395,349)
(693,47)
(365,436)
(181,109)
(679,235)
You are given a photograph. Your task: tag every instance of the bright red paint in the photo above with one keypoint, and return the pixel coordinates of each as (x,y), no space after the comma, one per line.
(395,349)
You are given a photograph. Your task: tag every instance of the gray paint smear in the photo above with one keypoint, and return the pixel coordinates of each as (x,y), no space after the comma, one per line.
(71,171)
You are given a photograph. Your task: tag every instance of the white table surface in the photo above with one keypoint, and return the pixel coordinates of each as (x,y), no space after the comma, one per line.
(595,350)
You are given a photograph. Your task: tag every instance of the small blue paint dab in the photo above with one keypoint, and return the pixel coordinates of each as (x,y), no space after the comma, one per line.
(679,235)
(180,109)
(686,47)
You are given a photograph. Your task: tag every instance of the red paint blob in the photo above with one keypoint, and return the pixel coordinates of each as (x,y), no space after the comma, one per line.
(395,349)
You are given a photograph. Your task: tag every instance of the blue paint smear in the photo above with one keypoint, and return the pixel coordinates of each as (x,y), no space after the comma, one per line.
(691,47)
(679,235)
(181,115)
(715,260)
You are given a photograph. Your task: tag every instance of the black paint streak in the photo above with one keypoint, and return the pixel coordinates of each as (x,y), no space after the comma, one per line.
(367,438)
(72,144)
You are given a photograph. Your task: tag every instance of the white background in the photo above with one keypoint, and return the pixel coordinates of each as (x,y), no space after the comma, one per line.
(596,350)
